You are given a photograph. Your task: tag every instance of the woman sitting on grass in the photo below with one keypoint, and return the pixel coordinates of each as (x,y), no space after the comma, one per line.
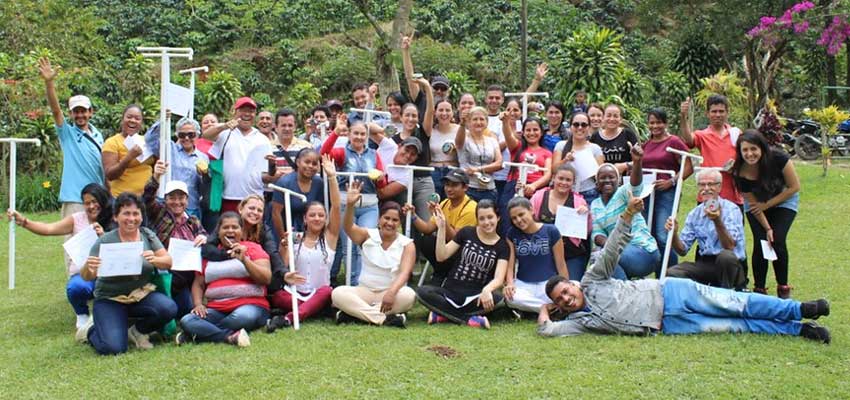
(119,298)
(314,256)
(98,215)
(382,297)
(235,290)
(467,293)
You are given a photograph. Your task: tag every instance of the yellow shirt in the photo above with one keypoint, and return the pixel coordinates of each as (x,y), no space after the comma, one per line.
(462,215)
(134,177)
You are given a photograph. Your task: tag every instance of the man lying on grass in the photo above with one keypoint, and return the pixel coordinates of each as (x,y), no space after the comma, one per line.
(600,304)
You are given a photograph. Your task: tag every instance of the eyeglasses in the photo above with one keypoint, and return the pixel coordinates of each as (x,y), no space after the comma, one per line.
(183,135)
(580,124)
(708,184)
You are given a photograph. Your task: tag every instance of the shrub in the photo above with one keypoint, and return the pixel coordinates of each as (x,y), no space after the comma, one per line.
(37,192)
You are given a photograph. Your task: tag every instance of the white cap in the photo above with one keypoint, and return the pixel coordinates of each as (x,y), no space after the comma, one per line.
(79,101)
(176,185)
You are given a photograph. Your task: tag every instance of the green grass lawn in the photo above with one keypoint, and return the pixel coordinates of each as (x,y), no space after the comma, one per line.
(40,359)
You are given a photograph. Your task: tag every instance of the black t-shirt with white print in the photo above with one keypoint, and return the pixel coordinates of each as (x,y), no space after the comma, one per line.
(476,265)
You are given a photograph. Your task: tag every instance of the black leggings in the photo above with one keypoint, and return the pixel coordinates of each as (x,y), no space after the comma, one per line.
(780,220)
(434,299)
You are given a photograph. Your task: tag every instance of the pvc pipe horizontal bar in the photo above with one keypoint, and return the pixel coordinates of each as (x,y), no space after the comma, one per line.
(523,165)
(196,69)
(352,174)
(21,140)
(411,167)
(661,171)
(188,50)
(544,94)
(287,191)
(373,112)
(684,153)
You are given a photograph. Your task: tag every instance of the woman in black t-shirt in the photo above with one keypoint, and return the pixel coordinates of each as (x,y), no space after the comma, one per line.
(614,139)
(770,186)
(467,292)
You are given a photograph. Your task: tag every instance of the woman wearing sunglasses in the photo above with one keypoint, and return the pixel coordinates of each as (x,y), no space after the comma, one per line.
(579,146)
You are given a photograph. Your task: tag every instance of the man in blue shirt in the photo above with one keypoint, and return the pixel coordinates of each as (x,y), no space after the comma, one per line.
(81,143)
(717,226)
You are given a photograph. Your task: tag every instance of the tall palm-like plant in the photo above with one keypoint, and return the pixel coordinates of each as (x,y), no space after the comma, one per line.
(589,60)
(217,94)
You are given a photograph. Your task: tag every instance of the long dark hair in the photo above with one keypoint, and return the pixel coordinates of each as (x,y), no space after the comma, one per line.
(322,246)
(523,141)
(104,199)
(765,187)
(560,107)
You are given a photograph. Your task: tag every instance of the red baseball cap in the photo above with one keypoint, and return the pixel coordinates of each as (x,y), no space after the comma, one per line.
(244,101)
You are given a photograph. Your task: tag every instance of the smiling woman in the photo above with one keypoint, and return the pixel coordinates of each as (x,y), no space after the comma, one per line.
(120,164)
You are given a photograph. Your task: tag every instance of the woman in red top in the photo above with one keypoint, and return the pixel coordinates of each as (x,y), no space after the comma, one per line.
(524,149)
(235,291)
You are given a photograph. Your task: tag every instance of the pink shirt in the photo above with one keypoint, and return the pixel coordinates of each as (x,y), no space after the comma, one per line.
(716,150)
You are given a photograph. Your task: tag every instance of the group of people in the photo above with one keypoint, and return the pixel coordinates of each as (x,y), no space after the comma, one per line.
(487,231)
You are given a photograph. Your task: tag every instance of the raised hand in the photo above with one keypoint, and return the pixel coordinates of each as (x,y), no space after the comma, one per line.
(635,204)
(328,166)
(685,107)
(540,71)
(405,42)
(636,151)
(353,193)
(46,70)
(159,169)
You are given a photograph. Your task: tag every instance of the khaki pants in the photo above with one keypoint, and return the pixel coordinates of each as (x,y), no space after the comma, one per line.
(365,304)
(67,210)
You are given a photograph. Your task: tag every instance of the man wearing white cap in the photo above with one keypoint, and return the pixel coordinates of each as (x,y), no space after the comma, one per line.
(243,149)
(81,144)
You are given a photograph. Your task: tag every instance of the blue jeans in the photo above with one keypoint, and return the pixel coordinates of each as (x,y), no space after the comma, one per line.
(508,192)
(217,326)
(79,292)
(576,267)
(590,195)
(183,299)
(481,194)
(108,336)
(635,262)
(663,209)
(366,217)
(690,307)
(437,176)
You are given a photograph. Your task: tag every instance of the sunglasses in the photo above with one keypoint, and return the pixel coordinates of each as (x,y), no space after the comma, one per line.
(183,135)
(580,124)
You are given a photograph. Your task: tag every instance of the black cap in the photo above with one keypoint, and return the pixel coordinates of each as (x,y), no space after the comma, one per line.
(413,141)
(334,103)
(457,175)
(440,80)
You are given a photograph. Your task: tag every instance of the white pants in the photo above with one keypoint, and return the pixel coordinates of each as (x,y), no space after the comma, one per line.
(365,304)
(529,296)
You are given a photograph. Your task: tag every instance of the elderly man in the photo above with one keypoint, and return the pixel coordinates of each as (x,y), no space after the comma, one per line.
(243,149)
(717,226)
(600,304)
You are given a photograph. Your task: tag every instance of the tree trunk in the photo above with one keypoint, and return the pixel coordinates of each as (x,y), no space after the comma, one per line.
(831,80)
(847,73)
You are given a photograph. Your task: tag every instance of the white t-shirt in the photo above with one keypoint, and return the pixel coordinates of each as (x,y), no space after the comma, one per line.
(436,143)
(381,267)
(594,150)
(244,162)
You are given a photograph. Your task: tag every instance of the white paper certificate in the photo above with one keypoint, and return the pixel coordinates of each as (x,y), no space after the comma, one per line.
(767,251)
(184,255)
(648,184)
(570,223)
(120,259)
(138,140)
(585,165)
(79,246)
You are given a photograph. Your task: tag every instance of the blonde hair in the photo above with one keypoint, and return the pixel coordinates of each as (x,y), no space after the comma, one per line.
(254,233)
(486,132)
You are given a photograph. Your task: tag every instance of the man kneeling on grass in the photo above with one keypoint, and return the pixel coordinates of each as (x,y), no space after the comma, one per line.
(600,304)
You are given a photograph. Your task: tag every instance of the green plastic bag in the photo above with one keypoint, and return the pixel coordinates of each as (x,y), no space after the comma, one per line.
(162,280)
(216,184)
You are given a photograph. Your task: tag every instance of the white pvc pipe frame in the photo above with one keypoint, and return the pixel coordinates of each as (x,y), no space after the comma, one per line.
(13,170)
(289,246)
(165,54)
(652,196)
(524,100)
(523,172)
(677,196)
(348,239)
(191,72)
(410,169)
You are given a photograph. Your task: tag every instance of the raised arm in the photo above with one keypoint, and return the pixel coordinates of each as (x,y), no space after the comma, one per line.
(49,74)
(604,266)
(460,136)
(407,62)
(443,250)
(357,234)
(64,226)
(685,129)
(332,233)
(636,176)
(213,131)
(428,119)
(508,130)
(539,74)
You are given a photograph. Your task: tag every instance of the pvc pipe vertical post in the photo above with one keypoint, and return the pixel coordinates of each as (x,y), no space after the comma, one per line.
(13,170)
(409,217)
(675,211)
(291,256)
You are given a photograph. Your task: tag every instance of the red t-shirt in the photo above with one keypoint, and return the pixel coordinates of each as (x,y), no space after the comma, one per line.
(656,156)
(716,150)
(238,285)
(204,145)
(540,154)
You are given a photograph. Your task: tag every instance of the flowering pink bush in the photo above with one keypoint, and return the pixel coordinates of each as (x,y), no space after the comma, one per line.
(770,28)
(835,35)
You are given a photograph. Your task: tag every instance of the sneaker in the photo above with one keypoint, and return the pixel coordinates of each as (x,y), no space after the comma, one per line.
(814,309)
(813,331)
(239,338)
(396,321)
(479,321)
(277,322)
(434,318)
(343,318)
(82,320)
(760,290)
(182,338)
(82,335)
(784,291)
(140,340)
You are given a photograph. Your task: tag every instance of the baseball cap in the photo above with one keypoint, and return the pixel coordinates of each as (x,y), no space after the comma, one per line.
(457,175)
(244,101)
(413,141)
(334,103)
(176,185)
(440,80)
(79,101)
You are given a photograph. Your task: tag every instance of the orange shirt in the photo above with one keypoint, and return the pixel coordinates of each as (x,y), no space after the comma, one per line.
(716,150)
